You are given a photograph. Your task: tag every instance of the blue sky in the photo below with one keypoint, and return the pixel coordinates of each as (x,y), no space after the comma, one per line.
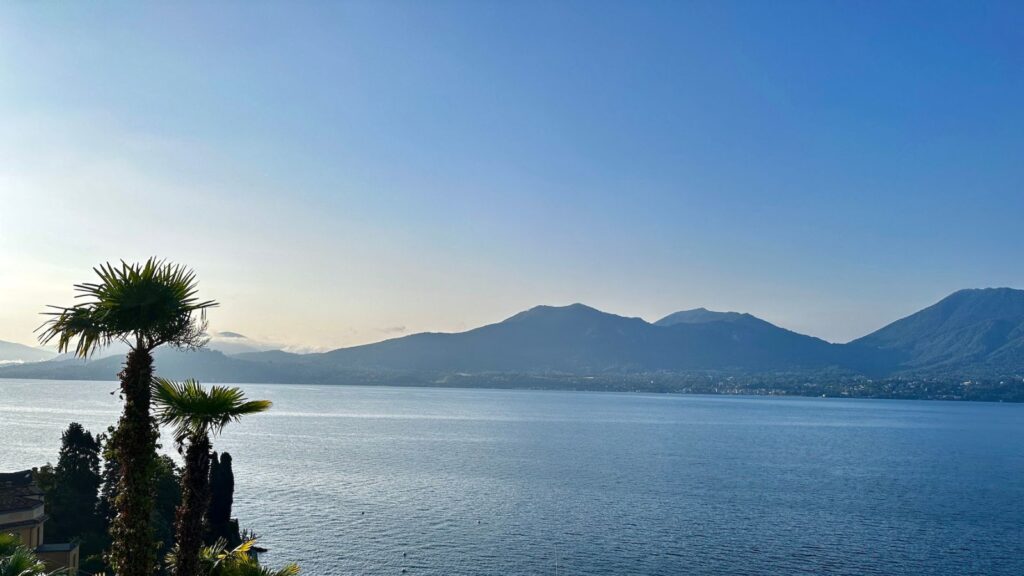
(340,173)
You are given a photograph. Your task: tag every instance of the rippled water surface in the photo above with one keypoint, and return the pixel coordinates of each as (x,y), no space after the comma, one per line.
(365,480)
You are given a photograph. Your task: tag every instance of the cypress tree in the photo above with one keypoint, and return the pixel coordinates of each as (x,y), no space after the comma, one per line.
(73,498)
(222,489)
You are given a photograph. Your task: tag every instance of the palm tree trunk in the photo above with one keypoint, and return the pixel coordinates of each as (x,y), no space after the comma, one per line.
(133,552)
(195,499)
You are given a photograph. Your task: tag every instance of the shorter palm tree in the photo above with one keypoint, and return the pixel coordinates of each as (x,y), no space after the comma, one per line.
(196,414)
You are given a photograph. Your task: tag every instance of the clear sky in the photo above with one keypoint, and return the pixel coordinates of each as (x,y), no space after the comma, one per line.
(340,173)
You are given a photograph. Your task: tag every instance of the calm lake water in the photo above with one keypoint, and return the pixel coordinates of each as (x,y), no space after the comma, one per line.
(367,480)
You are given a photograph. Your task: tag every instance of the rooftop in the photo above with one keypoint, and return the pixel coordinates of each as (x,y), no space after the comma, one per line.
(16,479)
(18,491)
(62,547)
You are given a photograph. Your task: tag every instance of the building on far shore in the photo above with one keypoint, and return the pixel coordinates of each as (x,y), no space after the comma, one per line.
(22,513)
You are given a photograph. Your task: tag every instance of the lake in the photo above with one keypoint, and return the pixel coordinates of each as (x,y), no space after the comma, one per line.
(373,480)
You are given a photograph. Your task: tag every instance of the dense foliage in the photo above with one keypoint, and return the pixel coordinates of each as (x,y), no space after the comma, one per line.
(81,488)
(72,492)
(72,488)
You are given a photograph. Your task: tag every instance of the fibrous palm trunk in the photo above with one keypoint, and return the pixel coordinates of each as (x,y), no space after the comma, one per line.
(133,552)
(195,499)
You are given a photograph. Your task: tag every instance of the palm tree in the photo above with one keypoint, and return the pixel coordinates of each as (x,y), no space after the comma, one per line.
(145,306)
(196,413)
(216,560)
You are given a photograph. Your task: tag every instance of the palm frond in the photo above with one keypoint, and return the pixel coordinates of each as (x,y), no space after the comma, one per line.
(240,561)
(8,544)
(193,410)
(76,323)
(245,548)
(155,302)
(20,561)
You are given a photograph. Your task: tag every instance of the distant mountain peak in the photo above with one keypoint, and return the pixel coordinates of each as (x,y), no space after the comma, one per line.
(976,304)
(977,326)
(574,307)
(703,315)
(995,296)
(226,334)
(990,290)
(572,310)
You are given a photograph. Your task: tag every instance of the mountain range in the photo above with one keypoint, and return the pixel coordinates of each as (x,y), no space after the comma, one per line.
(971,333)
(230,343)
(13,353)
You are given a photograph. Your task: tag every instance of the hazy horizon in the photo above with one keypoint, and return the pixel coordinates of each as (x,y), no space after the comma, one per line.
(342,173)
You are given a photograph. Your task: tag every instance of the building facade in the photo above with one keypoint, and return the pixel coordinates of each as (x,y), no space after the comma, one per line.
(23,513)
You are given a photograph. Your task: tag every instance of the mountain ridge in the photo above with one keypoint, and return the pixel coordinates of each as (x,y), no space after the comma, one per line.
(12,352)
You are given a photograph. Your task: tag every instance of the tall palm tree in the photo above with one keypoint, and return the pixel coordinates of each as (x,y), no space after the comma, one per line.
(196,413)
(145,306)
